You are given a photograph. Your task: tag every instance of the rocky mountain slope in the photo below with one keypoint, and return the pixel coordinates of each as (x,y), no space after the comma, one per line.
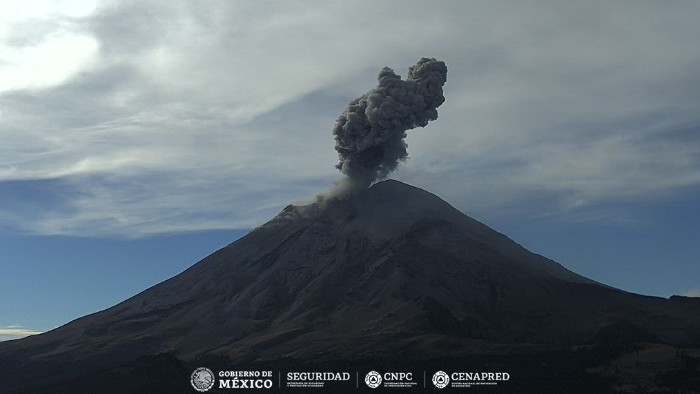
(390,271)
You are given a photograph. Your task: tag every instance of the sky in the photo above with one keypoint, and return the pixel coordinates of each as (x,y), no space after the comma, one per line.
(140,136)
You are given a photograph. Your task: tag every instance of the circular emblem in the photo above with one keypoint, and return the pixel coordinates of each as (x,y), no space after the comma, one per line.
(441,379)
(202,379)
(373,379)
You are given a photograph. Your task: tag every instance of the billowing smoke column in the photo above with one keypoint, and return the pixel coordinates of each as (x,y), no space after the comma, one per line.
(369,135)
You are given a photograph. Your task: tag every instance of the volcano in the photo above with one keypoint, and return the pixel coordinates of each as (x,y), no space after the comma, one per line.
(390,272)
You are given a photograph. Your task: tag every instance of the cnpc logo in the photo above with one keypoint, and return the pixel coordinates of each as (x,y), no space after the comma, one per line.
(374,379)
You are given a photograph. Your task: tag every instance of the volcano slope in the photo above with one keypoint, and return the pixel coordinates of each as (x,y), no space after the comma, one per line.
(389,273)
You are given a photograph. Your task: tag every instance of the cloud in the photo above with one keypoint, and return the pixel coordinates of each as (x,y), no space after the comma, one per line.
(691,293)
(43,45)
(15,332)
(165,122)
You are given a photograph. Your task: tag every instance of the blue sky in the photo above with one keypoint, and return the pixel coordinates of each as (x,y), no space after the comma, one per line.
(138,137)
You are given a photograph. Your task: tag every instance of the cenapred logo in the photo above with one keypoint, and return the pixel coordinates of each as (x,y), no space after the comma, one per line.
(202,379)
(441,379)
(373,379)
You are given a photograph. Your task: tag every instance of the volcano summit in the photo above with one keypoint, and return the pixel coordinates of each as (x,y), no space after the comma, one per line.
(391,272)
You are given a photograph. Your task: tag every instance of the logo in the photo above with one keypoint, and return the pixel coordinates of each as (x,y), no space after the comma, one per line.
(471,379)
(202,379)
(316,379)
(441,379)
(373,379)
(245,380)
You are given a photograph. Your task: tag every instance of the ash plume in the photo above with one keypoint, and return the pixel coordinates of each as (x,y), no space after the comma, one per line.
(369,135)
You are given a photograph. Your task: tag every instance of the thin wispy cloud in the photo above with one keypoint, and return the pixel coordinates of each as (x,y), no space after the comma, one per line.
(692,293)
(15,331)
(173,117)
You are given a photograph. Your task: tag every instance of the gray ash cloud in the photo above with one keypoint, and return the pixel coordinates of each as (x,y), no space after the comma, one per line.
(369,135)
